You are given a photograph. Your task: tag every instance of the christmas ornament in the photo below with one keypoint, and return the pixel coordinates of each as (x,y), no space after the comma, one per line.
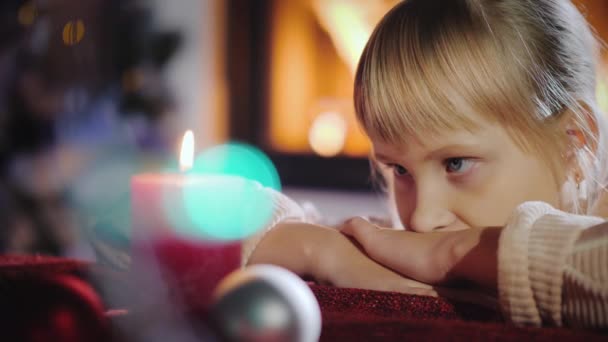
(265,303)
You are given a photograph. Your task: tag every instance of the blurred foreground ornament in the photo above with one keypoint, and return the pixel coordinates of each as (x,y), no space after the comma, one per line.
(60,308)
(265,303)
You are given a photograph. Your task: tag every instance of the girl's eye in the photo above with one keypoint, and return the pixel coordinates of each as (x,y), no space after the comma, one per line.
(458,165)
(399,170)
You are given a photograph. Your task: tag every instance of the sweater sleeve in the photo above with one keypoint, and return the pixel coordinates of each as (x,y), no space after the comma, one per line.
(585,289)
(285,209)
(539,251)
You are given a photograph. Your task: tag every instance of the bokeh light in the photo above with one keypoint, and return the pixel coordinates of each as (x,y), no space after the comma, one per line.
(226,195)
(327,134)
(238,159)
(27,13)
(101,192)
(73,32)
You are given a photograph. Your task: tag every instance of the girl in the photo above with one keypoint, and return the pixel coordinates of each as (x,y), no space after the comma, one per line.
(483,119)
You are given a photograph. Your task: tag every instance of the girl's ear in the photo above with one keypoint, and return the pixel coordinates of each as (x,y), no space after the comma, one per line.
(581,129)
(576,137)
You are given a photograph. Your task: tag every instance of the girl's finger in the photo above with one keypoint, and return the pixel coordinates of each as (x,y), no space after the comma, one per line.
(358,228)
(429,292)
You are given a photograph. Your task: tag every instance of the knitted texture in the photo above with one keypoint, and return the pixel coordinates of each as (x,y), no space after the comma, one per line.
(585,290)
(532,262)
(285,210)
(514,288)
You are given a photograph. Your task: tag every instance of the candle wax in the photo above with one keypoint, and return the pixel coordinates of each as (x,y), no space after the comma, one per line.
(192,266)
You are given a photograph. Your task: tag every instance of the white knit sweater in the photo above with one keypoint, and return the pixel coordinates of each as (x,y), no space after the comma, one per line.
(552,266)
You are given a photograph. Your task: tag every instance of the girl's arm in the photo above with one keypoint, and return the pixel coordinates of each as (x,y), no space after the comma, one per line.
(546,265)
(293,240)
(329,257)
(435,258)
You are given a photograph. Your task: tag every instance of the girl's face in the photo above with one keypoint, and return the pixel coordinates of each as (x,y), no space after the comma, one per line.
(463,179)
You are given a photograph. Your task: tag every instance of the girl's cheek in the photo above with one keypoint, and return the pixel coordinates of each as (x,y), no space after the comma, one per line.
(472,177)
(404,183)
(405,204)
(405,196)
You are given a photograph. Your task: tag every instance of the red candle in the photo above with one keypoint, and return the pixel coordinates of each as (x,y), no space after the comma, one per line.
(162,233)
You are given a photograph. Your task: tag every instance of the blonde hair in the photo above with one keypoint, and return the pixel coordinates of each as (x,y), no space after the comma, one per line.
(432,65)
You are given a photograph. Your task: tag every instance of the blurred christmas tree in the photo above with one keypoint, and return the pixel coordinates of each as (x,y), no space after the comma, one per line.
(61,63)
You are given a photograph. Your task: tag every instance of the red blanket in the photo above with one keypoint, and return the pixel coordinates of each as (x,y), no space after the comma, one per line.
(30,283)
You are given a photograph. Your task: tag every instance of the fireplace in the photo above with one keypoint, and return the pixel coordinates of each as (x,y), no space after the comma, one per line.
(290,74)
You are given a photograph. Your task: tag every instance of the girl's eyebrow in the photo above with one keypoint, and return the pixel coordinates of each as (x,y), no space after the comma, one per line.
(381,157)
(451,149)
(441,152)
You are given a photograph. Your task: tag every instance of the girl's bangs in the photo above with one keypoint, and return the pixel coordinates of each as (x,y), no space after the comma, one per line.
(412,83)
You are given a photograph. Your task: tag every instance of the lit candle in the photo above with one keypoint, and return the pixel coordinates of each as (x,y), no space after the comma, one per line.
(162,231)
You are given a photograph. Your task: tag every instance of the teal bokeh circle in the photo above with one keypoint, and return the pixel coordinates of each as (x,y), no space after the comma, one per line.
(230,196)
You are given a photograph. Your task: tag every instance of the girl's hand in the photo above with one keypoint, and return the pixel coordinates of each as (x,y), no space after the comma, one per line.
(342,263)
(433,258)
(330,257)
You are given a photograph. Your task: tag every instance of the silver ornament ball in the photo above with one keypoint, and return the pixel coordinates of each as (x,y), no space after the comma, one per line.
(265,303)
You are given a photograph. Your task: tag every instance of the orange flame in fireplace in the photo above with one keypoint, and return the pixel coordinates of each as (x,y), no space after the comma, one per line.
(350,23)
(310,65)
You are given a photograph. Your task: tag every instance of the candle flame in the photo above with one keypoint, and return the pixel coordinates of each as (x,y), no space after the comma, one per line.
(186,156)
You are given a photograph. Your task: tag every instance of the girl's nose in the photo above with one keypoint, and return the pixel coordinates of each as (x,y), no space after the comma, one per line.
(430,213)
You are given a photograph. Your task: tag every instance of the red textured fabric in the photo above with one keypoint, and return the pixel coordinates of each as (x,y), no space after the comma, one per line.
(35,265)
(372,328)
(339,303)
(363,315)
(46,299)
